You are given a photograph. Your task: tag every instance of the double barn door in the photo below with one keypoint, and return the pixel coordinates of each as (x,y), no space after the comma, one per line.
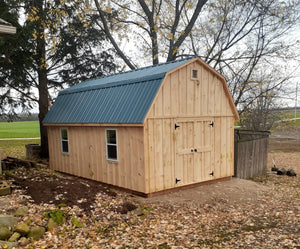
(193,151)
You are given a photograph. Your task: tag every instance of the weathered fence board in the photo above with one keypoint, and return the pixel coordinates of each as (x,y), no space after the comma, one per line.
(250,153)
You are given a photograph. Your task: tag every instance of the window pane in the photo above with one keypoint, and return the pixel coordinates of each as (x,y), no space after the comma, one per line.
(112,152)
(111,136)
(65,146)
(64,134)
(195,74)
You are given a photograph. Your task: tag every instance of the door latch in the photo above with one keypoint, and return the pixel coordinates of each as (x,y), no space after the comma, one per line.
(177,180)
(176,126)
(212,173)
(212,124)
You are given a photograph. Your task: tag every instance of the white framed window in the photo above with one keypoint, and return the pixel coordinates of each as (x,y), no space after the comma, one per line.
(111,145)
(64,137)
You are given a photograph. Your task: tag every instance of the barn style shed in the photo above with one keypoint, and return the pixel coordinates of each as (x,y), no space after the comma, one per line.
(148,130)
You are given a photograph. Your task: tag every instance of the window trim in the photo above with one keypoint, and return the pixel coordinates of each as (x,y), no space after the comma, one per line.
(64,140)
(107,144)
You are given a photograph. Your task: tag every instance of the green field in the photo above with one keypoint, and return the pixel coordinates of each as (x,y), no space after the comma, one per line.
(15,148)
(26,129)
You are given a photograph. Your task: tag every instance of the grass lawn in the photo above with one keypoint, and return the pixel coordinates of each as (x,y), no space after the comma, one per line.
(16,148)
(26,129)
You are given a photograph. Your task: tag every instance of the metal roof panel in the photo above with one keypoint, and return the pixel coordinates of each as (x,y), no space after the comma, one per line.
(119,98)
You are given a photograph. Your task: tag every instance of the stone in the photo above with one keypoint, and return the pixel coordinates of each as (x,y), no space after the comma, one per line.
(281,171)
(291,172)
(36,232)
(8,245)
(22,228)
(4,188)
(5,202)
(23,241)
(14,237)
(52,224)
(139,211)
(21,211)
(8,220)
(4,233)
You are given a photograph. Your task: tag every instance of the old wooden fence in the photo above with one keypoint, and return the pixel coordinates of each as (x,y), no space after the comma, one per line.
(250,153)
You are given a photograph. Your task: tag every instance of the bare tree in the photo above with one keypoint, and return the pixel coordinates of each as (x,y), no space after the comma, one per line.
(246,39)
(160,27)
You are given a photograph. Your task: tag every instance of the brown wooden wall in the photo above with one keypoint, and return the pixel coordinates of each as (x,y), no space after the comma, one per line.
(87,155)
(193,105)
(251,153)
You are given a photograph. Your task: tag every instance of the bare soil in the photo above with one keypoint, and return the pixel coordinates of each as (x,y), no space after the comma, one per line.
(45,186)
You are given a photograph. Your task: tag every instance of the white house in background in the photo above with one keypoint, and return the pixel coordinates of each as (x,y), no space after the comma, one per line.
(6,27)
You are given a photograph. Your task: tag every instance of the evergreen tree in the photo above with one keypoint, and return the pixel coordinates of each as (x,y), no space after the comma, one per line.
(54,46)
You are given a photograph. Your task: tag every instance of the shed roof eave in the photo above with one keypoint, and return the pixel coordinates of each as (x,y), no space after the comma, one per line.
(94,124)
(7,29)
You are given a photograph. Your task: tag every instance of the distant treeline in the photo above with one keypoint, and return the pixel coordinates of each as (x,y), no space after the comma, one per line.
(20,117)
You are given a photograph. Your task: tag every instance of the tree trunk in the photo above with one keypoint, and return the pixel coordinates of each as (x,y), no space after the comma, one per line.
(43,109)
(43,82)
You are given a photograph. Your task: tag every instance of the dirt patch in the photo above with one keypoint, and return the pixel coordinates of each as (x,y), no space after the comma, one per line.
(44,186)
(236,191)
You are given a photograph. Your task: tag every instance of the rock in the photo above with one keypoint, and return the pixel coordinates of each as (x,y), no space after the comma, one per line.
(14,237)
(8,245)
(21,211)
(4,188)
(52,224)
(36,232)
(291,172)
(4,233)
(139,211)
(22,228)
(281,171)
(24,241)
(5,202)
(8,220)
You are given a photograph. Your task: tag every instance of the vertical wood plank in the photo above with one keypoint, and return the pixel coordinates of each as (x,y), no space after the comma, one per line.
(174,85)
(146,156)
(190,94)
(152,149)
(166,105)
(159,173)
(204,96)
(183,90)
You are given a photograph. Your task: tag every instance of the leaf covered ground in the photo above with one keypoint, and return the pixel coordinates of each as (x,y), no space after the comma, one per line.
(113,219)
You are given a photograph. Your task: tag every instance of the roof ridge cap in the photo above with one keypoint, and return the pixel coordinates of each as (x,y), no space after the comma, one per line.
(142,68)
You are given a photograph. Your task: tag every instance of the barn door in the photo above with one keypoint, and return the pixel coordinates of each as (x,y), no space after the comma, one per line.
(193,151)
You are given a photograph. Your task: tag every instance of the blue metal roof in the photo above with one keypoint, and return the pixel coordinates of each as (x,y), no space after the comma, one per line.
(119,98)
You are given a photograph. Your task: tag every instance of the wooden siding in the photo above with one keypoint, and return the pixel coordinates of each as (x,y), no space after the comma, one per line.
(193,104)
(251,153)
(180,96)
(87,155)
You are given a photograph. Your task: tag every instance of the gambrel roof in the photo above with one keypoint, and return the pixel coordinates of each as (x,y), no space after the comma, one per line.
(119,98)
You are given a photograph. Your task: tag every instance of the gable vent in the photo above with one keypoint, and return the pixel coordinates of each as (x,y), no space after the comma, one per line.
(194,74)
